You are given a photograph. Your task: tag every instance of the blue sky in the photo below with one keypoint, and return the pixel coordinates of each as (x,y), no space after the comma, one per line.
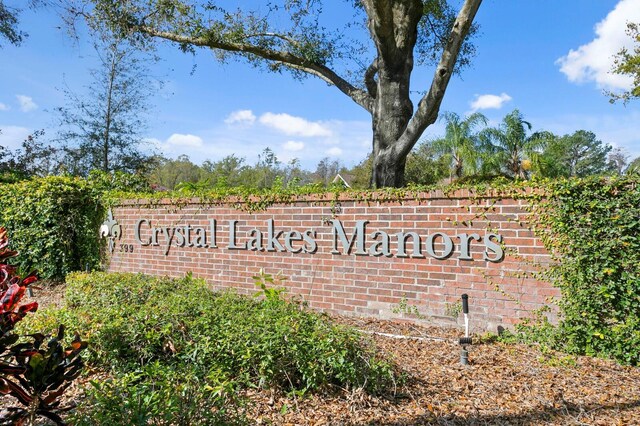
(548,58)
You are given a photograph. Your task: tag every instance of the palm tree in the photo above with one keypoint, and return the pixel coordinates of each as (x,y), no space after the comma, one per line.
(461,143)
(510,149)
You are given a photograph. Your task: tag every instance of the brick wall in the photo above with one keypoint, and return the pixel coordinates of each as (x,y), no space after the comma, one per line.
(353,257)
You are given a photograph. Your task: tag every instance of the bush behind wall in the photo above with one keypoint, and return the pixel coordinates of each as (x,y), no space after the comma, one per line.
(53,222)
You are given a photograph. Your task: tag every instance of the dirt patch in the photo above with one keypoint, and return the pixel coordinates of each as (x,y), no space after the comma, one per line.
(46,293)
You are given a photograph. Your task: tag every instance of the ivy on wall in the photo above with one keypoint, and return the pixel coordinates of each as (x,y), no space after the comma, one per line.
(592,226)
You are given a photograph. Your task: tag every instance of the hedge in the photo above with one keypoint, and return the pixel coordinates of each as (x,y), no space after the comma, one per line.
(53,223)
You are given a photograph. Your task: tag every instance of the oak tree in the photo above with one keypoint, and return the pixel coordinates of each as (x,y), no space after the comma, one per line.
(576,155)
(373,69)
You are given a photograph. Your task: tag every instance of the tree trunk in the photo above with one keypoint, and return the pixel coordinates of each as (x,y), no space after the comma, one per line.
(392,109)
(458,168)
(106,142)
(388,169)
(393,25)
(391,114)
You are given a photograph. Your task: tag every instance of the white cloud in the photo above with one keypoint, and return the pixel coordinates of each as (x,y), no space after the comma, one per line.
(26,103)
(334,152)
(243,116)
(4,107)
(12,136)
(187,141)
(293,146)
(350,141)
(593,61)
(489,101)
(294,126)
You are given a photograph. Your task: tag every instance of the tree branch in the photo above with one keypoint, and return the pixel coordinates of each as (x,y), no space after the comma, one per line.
(390,34)
(359,96)
(370,78)
(429,105)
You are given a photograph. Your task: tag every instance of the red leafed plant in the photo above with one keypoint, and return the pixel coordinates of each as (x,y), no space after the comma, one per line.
(34,374)
(12,289)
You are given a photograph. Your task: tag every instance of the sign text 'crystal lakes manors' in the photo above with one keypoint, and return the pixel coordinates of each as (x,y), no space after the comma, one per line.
(359,240)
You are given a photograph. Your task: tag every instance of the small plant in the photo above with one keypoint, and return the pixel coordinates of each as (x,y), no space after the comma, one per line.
(404,308)
(158,395)
(262,279)
(41,375)
(36,375)
(557,360)
(453,309)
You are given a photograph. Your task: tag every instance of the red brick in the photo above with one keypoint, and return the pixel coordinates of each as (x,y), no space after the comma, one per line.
(347,283)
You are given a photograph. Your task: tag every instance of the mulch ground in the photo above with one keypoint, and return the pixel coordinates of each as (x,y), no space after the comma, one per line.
(504,384)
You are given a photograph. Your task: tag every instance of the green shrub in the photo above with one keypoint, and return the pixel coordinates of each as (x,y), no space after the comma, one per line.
(132,321)
(102,182)
(53,223)
(156,395)
(592,226)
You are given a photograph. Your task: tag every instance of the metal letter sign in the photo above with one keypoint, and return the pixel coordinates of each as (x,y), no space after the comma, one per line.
(359,240)
(111,230)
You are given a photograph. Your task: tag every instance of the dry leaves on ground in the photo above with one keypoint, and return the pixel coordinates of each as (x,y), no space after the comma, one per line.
(505,384)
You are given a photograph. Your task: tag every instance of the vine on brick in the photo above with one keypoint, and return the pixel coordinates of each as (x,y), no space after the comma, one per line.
(591,226)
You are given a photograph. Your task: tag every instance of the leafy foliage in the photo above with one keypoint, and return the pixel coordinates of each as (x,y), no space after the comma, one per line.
(157,335)
(9,24)
(36,376)
(461,143)
(12,289)
(580,154)
(102,129)
(33,158)
(510,149)
(628,63)
(42,376)
(52,224)
(592,226)
(157,394)
(634,167)
(425,167)
(101,182)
